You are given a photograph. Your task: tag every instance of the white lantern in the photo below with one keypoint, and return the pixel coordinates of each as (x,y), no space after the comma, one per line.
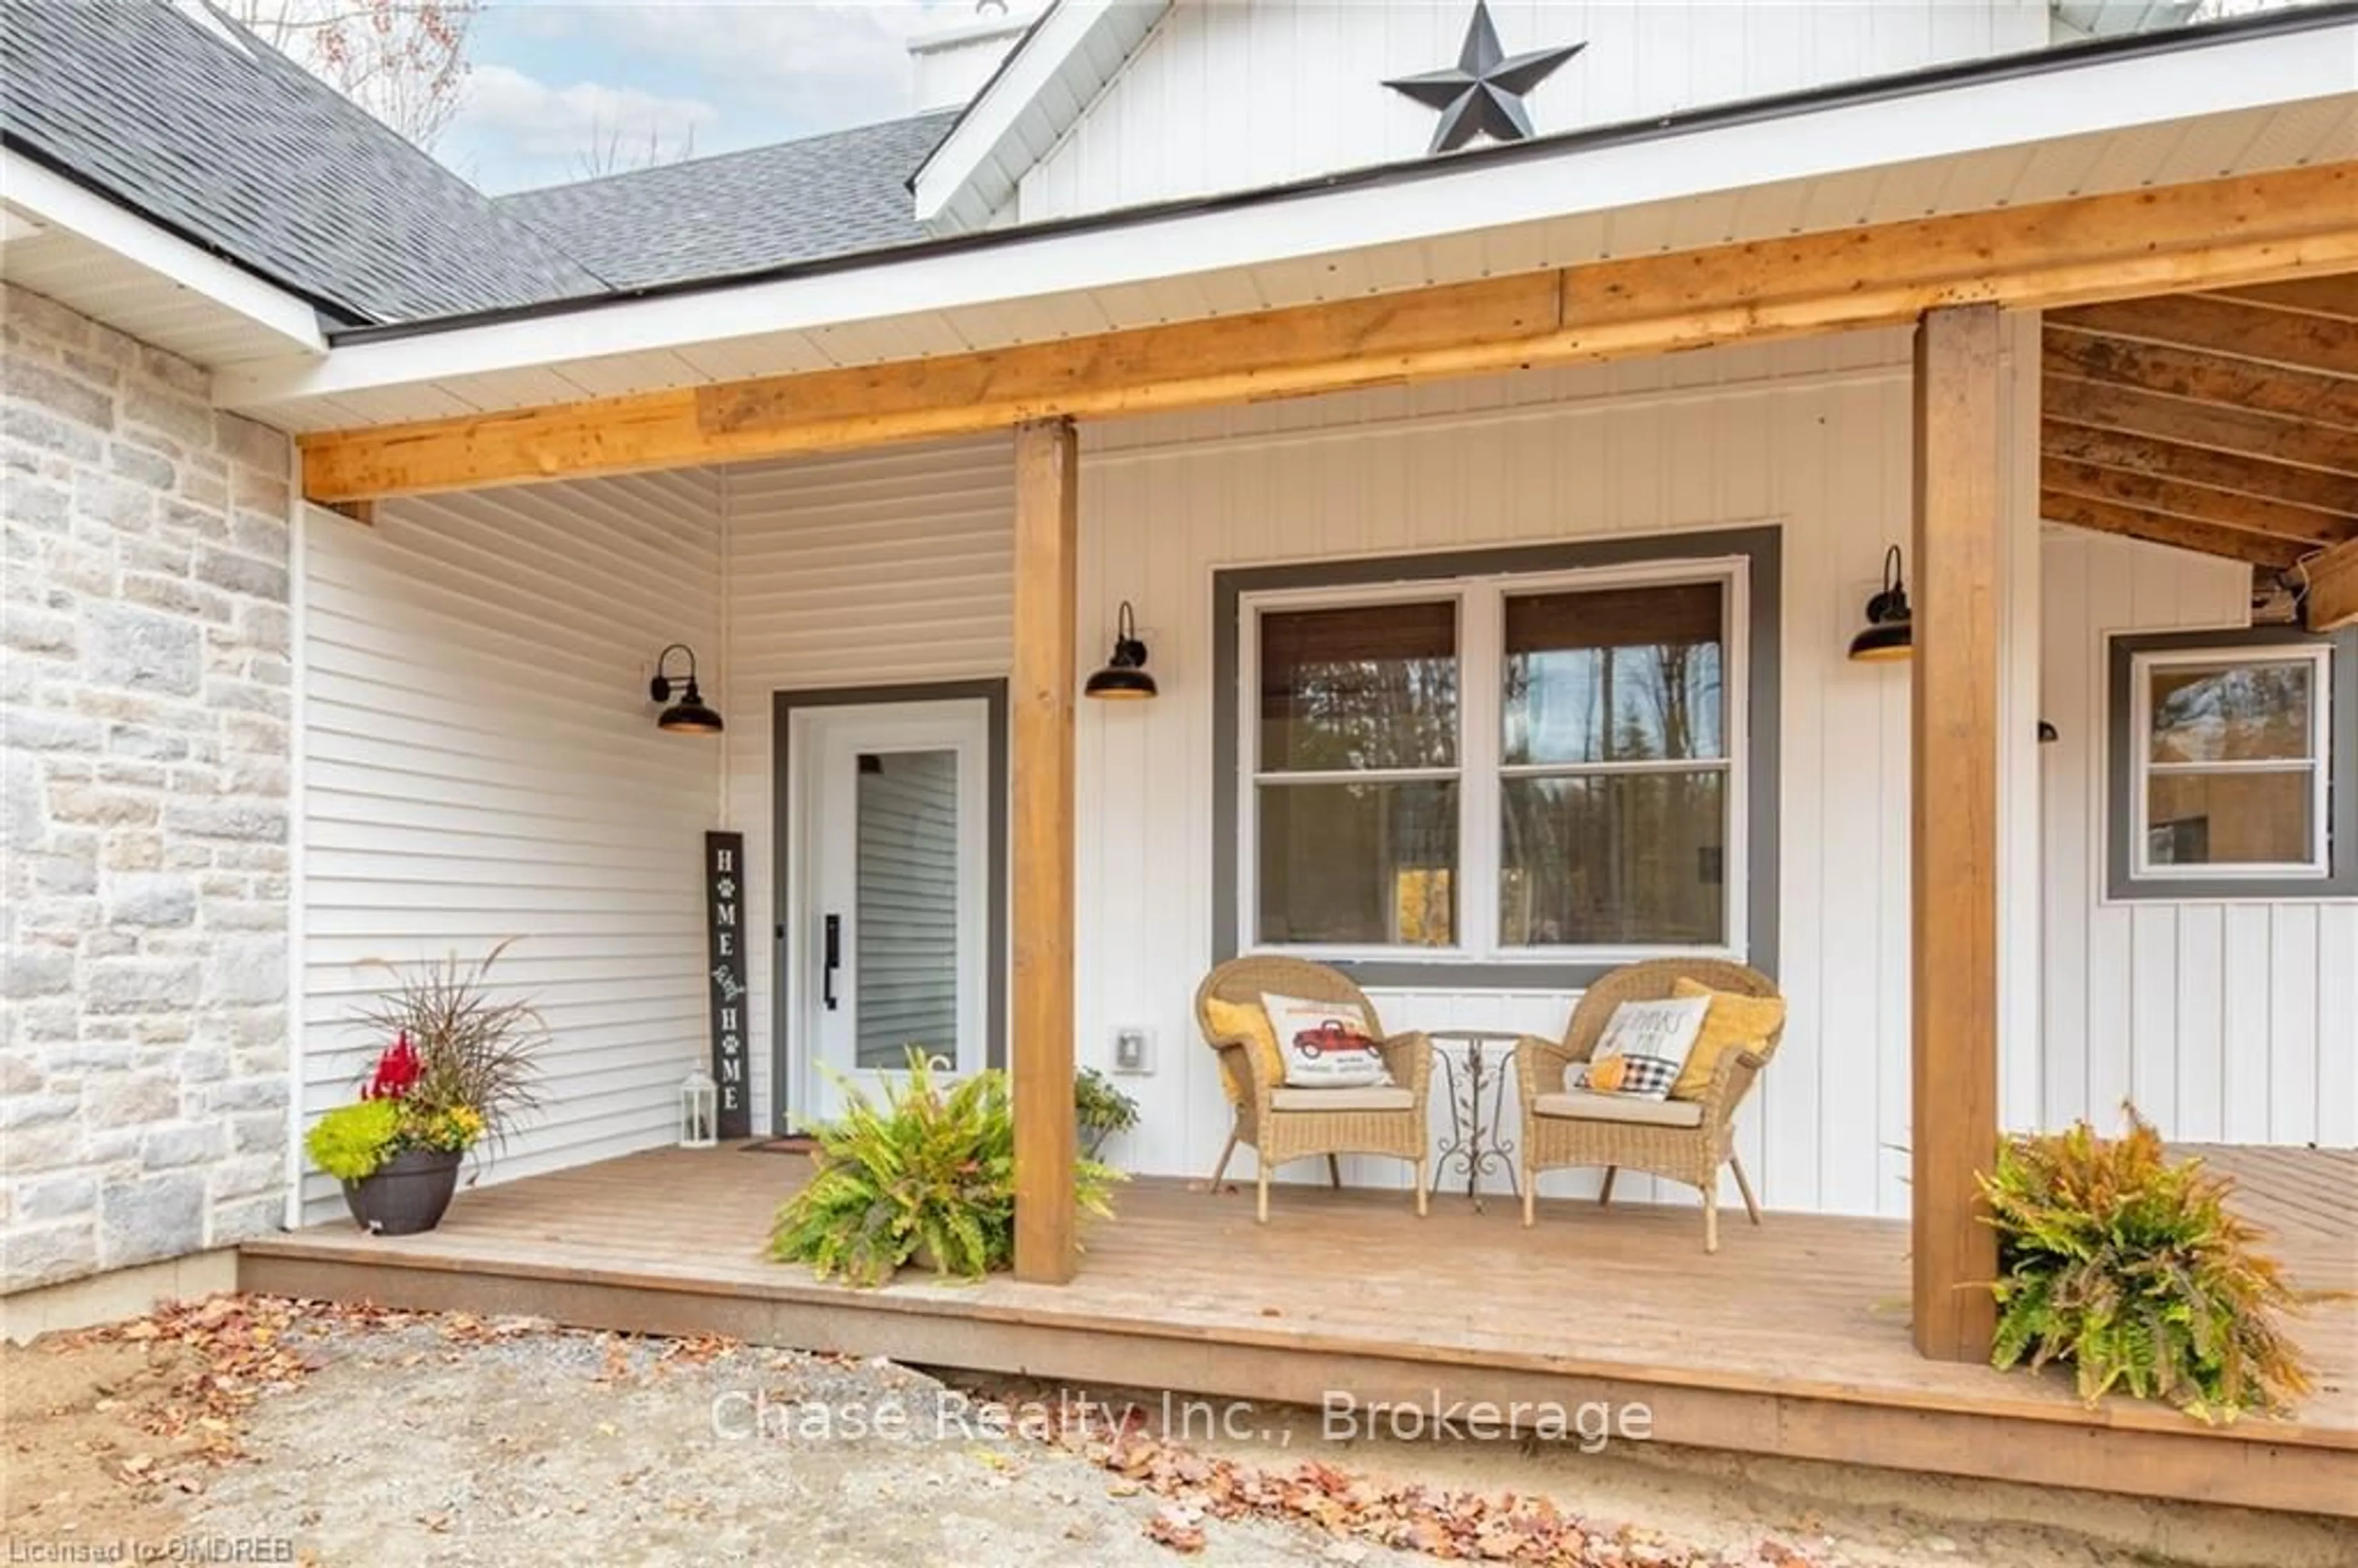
(699,1110)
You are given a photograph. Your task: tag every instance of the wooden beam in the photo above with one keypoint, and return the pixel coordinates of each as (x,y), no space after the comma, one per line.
(2200,465)
(2268,436)
(2229,326)
(1959,539)
(2333,578)
(2203,377)
(2332,295)
(2256,228)
(2223,509)
(2157,528)
(1046,672)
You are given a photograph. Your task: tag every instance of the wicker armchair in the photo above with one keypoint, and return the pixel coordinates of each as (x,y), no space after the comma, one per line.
(1685,1141)
(1281,1123)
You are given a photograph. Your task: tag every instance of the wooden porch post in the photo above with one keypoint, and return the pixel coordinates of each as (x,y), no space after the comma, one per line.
(1954,720)
(1047,530)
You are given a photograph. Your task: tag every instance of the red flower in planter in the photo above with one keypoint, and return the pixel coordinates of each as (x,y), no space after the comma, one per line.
(397,1071)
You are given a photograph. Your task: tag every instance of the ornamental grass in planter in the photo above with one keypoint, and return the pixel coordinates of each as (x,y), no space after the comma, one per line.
(927,1176)
(458,1073)
(2129,1265)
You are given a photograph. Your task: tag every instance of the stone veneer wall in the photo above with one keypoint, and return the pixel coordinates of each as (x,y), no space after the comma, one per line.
(145,714)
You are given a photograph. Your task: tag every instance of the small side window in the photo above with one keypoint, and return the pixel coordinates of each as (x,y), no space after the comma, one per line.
(2230,766)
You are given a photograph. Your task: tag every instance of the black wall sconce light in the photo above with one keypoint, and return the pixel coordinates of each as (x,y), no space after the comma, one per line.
(686,714)
(1124,676)
(1890,627)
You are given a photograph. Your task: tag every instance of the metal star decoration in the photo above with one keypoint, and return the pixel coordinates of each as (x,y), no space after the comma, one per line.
(1484,95)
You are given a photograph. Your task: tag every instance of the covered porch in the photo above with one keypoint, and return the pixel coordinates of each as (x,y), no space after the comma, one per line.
(1792,1341)
(1852,389)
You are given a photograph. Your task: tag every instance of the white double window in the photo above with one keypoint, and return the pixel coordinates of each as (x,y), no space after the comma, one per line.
(1528,767)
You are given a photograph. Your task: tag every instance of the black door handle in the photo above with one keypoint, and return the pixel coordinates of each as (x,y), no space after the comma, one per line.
(834,960)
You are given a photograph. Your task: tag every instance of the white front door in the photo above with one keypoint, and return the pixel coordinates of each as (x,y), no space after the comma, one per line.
(893,942)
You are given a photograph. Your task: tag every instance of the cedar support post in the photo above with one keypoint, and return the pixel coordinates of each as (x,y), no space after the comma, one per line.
(1047,530)
(1955,816)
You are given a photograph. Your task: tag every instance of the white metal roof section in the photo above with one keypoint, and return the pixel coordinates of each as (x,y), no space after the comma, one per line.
(108,262)
(1037,94)
(2240,103)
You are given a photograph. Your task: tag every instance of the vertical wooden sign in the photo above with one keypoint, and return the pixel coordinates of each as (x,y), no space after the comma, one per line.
(724,900)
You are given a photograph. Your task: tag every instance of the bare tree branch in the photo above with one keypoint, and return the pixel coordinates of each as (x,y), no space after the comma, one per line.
(404,62)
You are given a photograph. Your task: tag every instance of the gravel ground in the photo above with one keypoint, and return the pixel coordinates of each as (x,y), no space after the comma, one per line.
(560,1448)
(335,1437)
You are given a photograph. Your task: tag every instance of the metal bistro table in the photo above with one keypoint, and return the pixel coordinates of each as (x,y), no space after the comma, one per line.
(1475,1143)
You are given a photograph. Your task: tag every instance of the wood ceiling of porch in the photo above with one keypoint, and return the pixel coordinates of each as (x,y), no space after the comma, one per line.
(2224,422)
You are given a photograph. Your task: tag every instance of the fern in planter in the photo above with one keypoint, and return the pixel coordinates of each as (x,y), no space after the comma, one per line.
(927,1174)
(2129,1265)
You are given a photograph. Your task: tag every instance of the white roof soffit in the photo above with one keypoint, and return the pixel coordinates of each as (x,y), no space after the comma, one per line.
(2234,105)
(1037,94)
(112,263)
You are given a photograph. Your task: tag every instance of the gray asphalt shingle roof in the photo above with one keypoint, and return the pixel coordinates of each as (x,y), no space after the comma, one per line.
(768,207)
(237,148)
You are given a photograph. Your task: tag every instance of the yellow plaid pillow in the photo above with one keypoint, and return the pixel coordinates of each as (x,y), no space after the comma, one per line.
(1246,1021)
(1733,1024)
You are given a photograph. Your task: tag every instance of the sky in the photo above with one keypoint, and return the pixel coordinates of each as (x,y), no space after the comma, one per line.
(559,88)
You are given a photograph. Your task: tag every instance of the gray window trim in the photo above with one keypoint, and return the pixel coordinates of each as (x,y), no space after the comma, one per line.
(1762,548)
(783,704)
(2342,795)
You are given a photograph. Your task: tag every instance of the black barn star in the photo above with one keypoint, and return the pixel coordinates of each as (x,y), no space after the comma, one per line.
(1484,95)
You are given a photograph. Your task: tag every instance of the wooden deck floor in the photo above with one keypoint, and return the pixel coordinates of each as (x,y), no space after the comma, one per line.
(1793,1340)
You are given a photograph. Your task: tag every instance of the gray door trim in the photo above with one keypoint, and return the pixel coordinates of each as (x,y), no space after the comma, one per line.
(782,707)
(1761,544)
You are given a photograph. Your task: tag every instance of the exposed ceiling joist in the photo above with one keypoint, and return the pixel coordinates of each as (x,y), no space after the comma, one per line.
(2335,296)
(2217,427)
(2184,533)
(2203,377)
(2200,465)
(2223,421)
(2244,514)
(2231,328)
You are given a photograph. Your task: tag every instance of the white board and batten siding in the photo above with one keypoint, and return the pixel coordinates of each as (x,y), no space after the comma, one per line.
(1247,94)
(479,761)
(2229,1021)
(894,566)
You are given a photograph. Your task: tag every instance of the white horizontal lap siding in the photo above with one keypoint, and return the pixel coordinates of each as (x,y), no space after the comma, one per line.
(1234,96)
(481,762)
(2221,1022)
(877,569)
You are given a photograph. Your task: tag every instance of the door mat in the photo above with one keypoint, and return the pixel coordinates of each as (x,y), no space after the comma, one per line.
(791,1143)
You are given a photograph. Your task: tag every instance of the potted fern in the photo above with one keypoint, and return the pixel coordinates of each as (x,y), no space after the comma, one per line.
(927,1176)
(458,1071)
(2130,1266)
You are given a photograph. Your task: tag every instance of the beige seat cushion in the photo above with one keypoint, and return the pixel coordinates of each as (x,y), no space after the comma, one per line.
(1384,1098)
(1580,1106)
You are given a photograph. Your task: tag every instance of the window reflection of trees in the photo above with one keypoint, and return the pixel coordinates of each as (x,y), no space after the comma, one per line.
(1369,689)
(2253,710)
(1600,849)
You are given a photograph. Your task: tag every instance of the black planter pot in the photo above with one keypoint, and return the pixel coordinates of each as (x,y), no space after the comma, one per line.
(406,1195)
